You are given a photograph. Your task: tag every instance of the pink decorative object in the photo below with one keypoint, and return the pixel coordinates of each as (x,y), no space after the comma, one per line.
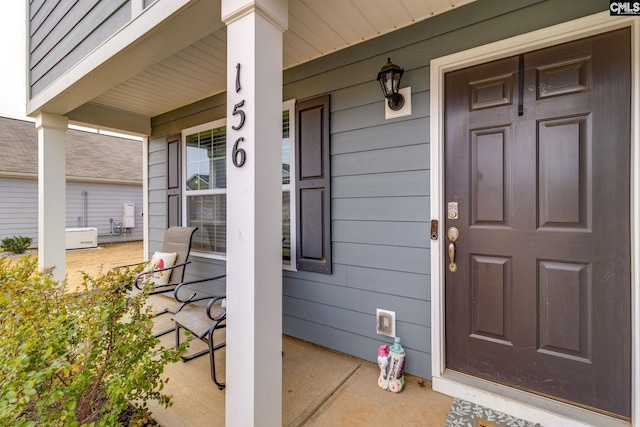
(391,363)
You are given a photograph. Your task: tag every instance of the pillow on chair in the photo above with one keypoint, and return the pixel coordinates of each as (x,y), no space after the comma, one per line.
(160,260)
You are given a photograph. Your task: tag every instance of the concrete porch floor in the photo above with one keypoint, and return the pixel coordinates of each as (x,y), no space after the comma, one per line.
(320,387)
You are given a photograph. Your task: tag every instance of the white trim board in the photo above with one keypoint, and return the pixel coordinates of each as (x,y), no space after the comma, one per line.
(536,409)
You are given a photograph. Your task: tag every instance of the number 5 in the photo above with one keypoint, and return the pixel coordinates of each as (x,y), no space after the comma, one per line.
(236,111)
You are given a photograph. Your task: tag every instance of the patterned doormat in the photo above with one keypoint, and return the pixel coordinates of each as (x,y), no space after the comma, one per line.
(467,414)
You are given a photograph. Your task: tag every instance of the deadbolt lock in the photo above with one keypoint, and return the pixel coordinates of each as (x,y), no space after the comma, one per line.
(452,210)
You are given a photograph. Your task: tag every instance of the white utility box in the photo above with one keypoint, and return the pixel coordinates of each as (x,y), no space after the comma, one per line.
(81,238)
(128,215)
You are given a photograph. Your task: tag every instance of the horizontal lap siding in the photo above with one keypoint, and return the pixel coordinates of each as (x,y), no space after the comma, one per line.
(380,208)
(62,33)
(104,202)
(157,192)
(380,178)
(381,233)
(19,208)
(199,267)
(380,220)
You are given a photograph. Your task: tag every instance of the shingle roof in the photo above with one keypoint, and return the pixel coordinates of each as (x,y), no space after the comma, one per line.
(88,155)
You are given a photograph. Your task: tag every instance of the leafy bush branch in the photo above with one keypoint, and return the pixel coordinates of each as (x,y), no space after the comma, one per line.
(76,359)
(16,244)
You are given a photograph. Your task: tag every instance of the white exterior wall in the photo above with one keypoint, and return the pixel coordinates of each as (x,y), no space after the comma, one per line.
(19,208)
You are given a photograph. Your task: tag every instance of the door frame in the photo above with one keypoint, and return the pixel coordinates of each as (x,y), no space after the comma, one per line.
(506,399)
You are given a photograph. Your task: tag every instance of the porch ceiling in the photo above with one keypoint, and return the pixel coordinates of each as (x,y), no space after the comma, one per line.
(316,28)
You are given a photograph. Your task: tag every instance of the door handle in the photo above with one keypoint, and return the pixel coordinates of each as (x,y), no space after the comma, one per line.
(452,235)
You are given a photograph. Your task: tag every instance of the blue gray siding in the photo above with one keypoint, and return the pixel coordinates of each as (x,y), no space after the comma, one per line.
(19,208)
(63,32)
(157,212)
(380,177)
(170,124)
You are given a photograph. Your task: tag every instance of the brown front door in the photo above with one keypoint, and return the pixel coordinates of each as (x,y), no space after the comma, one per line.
(537,158)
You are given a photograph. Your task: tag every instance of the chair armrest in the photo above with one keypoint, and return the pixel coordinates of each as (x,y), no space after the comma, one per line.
(210,305)
(192,296)
(144,273)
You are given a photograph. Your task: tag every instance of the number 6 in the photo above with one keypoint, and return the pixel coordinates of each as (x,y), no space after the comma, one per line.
(238,152)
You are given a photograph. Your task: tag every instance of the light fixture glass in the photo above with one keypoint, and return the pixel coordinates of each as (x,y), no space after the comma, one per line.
(389,78)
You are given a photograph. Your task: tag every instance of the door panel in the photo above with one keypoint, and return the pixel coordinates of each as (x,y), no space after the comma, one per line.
(537,156)
(563,183)
(489,163)
(491,291)
(566,291)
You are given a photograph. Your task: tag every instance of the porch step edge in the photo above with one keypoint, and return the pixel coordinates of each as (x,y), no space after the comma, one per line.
(528,406)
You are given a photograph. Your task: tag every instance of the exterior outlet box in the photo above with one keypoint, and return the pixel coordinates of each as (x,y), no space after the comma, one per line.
(386,322)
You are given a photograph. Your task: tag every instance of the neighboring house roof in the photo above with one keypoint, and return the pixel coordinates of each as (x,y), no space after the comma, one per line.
(90,156)
(194,184)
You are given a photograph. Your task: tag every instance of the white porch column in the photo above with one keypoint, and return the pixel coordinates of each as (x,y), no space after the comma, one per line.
(254,211)
(52,136)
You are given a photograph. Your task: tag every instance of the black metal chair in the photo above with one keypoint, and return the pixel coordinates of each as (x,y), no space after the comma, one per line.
(202,321)
(176,240)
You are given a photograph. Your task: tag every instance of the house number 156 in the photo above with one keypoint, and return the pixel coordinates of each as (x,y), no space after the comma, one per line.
(238,155)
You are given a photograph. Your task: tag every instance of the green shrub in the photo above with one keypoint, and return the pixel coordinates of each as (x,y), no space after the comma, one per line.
(76,359)
(17,244)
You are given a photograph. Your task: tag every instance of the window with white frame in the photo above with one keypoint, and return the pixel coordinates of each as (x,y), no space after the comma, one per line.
(205,187)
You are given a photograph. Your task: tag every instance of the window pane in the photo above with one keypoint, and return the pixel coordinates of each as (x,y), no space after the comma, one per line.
(286,148)
(205,160)
(286,228)
(209,214)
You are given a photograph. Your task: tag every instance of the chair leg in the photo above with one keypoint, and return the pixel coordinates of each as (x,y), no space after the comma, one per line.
(165,332)
(190,356)
(167,311)
(212,349)
(195,355)
(177,329)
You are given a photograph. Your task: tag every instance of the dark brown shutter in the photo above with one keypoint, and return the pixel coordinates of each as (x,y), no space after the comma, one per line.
(313,185)
(174,209)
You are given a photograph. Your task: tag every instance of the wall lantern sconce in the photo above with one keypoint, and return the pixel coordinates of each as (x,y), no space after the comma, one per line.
(389,78)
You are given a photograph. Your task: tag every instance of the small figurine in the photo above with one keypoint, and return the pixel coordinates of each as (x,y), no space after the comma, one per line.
(391,363)
(383,363)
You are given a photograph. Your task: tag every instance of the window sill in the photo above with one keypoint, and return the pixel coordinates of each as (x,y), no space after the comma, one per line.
(219,257)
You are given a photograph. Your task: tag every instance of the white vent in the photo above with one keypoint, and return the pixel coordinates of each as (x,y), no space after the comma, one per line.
(386,322)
